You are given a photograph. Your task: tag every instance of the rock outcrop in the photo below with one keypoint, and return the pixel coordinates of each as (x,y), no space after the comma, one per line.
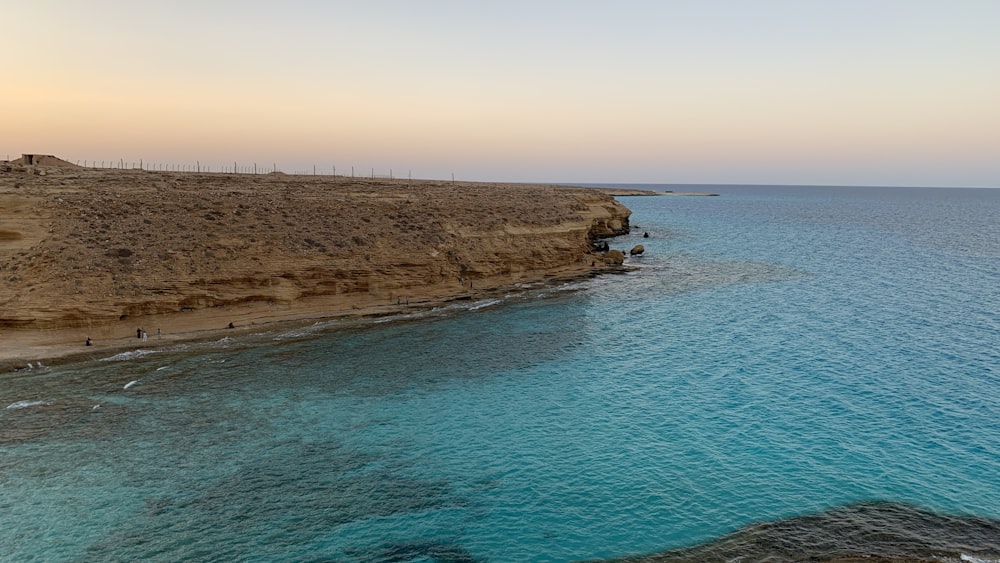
(80,247)
(637,249)
(614,257)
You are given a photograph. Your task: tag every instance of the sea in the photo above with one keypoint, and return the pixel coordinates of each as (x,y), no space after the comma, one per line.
(784,374)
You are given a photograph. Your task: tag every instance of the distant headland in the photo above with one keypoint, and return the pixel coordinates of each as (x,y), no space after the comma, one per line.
(104,253)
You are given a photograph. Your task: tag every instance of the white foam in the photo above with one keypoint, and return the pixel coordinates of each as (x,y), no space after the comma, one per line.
(131,384)
(25,404)
(465,306)
(401,317)
(294,334)
(484,304)
(575,286)
(131,355)
(972,559)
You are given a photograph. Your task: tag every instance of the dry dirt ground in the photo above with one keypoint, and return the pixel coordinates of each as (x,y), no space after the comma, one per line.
(87,252)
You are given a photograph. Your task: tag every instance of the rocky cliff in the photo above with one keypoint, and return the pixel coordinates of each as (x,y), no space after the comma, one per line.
(80,247)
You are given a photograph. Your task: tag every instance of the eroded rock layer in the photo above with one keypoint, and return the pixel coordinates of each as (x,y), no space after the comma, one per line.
(81,246)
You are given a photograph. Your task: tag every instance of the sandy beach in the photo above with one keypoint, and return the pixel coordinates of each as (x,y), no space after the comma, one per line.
(104,253)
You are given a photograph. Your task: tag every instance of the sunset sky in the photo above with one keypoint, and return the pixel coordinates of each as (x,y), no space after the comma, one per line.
(847,92)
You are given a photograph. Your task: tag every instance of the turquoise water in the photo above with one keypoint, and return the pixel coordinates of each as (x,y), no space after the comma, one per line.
(778,352)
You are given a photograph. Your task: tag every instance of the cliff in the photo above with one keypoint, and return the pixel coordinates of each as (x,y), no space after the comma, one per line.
(85,248)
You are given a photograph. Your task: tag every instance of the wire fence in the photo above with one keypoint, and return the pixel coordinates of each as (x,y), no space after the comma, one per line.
(204,168)
(242,168)
(197,167)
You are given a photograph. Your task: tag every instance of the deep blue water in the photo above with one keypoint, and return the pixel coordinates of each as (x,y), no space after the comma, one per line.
(778,352)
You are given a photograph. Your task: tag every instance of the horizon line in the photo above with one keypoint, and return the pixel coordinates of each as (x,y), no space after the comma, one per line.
(264,170)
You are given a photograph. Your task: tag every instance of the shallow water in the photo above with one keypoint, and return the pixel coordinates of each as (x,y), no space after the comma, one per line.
(779,352)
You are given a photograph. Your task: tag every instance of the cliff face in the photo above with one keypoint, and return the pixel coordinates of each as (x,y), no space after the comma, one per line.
(79,246)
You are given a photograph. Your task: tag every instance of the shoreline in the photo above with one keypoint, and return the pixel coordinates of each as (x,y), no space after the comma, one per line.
(30,348)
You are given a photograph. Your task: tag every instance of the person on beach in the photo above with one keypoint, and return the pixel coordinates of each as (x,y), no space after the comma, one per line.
(144,336)
(138,333)
(88,343)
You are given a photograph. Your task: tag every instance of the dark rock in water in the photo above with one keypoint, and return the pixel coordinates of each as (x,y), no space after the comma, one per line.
(637,249)
(645,235)
(601,246)
(866,531)
(419,551)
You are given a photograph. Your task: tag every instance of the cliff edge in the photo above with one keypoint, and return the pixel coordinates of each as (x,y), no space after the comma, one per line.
(84,248)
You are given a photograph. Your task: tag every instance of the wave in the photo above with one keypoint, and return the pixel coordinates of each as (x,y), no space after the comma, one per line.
(295,334)
(484,304)
(26,404)
(130,355)
(574,286)
(442,311)
(31,366)
(394,318)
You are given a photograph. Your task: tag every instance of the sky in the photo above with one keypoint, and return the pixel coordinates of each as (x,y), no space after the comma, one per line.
(838,92)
